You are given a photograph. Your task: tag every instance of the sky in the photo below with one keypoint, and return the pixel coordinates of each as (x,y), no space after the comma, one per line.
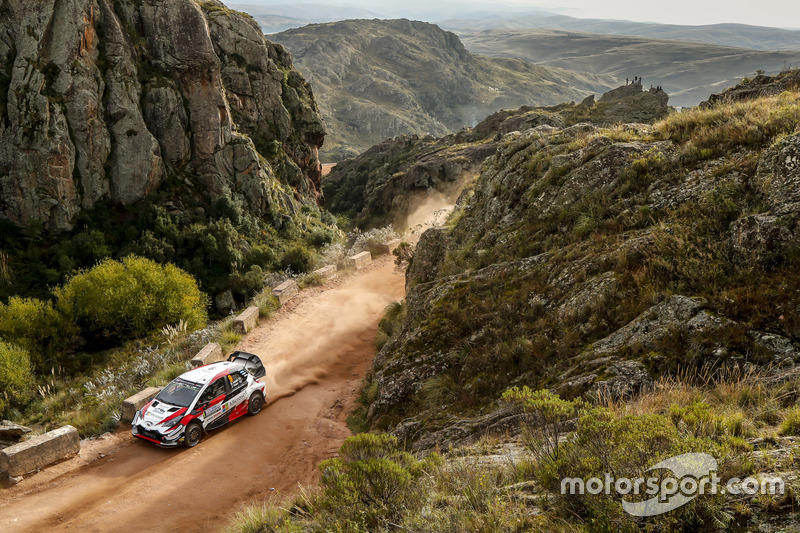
(776,13)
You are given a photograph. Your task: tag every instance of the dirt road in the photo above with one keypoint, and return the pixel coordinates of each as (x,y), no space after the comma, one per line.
(317,350)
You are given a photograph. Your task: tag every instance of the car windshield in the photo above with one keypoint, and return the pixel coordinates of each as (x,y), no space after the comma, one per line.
(179,392)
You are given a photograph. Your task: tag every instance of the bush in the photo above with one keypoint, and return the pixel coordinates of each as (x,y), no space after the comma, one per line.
(36,326)
(371,480)
(297,259)
(546,416)
(15,375)
(244,285)
(118,300)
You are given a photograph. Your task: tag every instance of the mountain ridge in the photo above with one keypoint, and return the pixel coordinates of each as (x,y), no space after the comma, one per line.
(375,79)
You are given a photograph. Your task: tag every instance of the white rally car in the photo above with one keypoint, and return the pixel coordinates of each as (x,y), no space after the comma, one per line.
(202,399)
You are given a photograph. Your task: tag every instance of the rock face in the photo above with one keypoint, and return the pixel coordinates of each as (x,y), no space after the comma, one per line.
(384,184)
(110,99)
(377,79)
(760,85)
(592,261)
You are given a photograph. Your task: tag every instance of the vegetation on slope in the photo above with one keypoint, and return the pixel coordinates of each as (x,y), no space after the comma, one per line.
(376,79)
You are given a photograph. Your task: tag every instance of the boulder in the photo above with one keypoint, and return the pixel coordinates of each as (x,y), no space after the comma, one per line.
(38,452)
(428,256)
(211,353)
(136,402)
(9,430)
(286,291)
(359,261)
(224,302)
(629,378)
(326,273)
(247,320)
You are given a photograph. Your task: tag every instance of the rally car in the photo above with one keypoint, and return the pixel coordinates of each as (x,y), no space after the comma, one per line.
(202,399)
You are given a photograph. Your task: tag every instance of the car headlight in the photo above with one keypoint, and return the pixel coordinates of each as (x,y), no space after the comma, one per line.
(172,423)
(135,418)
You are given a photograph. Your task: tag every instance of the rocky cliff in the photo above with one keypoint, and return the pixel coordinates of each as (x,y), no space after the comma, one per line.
(376,79)
(111,100)
(381,185)
(593,260)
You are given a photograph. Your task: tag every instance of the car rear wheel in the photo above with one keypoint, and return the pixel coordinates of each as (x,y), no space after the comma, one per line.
(255,404)
(193,435)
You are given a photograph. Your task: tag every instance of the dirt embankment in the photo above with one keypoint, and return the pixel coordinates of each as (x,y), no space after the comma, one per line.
(317,350)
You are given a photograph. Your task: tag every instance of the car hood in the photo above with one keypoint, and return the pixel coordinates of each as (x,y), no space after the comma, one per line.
(159,412)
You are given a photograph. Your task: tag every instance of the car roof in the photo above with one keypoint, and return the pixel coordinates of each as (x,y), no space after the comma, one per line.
(204,374)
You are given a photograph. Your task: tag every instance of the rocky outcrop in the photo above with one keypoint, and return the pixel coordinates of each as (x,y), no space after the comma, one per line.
(592,261)
(378,79)
(760,85)
(383,184)
(107,100)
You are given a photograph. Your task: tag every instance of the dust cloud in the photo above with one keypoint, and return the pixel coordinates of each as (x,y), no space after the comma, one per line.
(431,207)
(304,345)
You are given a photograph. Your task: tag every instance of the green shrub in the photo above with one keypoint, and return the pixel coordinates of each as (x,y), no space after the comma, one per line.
(16,381)
(297,259)
(126,299)
(36,326)
(244,285)
(371,480)
(546,418)
(266,302)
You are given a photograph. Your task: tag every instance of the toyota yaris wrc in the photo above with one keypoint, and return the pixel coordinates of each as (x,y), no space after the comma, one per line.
(202,399)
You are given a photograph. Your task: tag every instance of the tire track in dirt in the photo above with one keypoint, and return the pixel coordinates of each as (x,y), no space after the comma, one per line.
(316,350)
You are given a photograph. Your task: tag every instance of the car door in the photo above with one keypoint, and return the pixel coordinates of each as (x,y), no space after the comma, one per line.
(237,381)
(212,400)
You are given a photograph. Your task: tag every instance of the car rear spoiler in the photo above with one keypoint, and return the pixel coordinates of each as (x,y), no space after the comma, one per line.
(251,362)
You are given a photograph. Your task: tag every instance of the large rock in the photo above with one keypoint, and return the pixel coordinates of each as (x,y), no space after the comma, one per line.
(39,452)
(428,256)
(778,175)
(105,99)
(10,430)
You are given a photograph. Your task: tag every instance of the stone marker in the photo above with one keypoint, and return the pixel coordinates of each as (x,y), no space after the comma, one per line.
(38,452)
(389,247)
(211,353)
(286,291)
(136,402)
(359,261)
(247,320)
(326,273)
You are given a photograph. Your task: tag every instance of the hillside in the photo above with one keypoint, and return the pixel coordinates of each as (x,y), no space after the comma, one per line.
(618,254)
(601,299)
(120,135)
(386,183)
(727,35)
(375,79)
(688,71)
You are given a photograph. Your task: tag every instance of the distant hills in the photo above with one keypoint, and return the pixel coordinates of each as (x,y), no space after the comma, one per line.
(736,35)
(688,71)
(375,79)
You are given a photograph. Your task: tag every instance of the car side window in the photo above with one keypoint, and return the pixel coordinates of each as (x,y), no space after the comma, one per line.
(213,390)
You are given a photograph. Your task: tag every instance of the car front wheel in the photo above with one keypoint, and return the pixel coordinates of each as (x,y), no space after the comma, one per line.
(193,435)
(255,404)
